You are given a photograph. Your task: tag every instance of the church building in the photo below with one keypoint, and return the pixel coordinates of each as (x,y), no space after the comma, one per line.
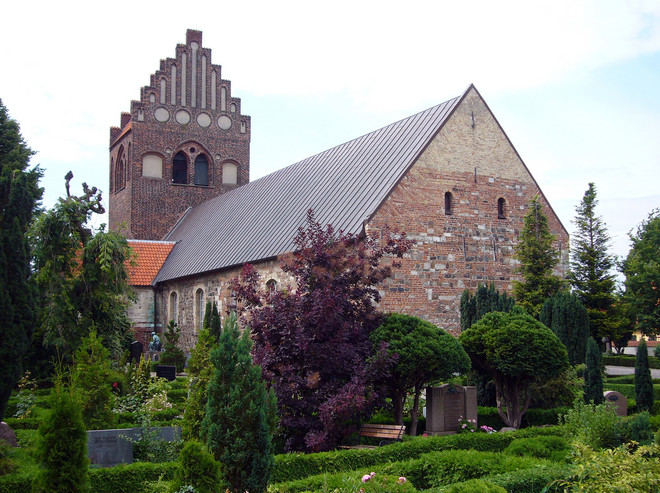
(180,190)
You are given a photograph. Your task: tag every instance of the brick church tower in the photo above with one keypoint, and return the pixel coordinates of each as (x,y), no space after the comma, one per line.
(184,142)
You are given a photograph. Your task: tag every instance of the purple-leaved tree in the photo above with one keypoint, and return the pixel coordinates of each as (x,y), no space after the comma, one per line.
(312,340)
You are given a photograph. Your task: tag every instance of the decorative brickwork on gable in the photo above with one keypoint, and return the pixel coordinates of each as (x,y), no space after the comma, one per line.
(184,142)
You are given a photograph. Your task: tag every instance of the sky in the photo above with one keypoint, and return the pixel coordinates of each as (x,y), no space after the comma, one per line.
(575,84)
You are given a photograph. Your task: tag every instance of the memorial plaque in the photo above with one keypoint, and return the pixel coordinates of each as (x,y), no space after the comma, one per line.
(166,371)
(108,448)
(446,405)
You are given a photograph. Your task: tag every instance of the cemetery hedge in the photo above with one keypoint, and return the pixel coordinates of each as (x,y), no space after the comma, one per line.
(629,361)
(629,389)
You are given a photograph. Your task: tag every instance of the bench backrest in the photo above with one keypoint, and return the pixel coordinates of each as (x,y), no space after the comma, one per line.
(389,432)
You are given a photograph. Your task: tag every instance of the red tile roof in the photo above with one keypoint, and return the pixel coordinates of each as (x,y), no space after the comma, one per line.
(648,343)
(149,257)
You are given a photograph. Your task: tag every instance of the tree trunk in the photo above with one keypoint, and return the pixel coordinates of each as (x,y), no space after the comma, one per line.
(508,395)
(415,411)
(397,401)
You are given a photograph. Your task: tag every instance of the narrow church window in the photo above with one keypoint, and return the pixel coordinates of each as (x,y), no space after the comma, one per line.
(173,306)
(120,170)
(448,204)
(199,309)
(229,174)
(180,168)
(500,208)
(201,170)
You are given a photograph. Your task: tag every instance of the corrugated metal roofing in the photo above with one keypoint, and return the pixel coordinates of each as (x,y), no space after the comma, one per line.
(344,186)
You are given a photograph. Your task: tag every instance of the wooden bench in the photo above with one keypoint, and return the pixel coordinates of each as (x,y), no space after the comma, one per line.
(386,434)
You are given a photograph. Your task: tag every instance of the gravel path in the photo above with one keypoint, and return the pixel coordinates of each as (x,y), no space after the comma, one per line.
(627,370)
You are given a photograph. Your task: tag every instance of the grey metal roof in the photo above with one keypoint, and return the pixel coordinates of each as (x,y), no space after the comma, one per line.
(344,186)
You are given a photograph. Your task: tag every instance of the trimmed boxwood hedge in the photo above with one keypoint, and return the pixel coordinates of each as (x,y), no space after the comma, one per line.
(533,417)
(628,361)
(120,479)
(629,389)
(294,466)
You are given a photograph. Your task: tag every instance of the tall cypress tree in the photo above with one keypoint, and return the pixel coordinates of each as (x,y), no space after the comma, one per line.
(19,198)
(483,301)
(593,377)
(591,267)
(643,380)
(240,413)
(567,317)
(538,258)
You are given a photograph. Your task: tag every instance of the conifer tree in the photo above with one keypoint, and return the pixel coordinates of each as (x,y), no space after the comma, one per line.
(643,380)
(19,197)
(567,317)
(591,268)
(538,258)
(485,300)
(240,413)
(593,376)
(173,354)
(62,448)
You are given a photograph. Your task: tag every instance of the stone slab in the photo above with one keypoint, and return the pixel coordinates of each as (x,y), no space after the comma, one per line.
(109,448)
(166,371)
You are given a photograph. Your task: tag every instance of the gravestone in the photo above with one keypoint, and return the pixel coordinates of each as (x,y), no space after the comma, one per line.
(447,405)
(108,448)
(136,351)
(618,400)
(166,371)
(8,435)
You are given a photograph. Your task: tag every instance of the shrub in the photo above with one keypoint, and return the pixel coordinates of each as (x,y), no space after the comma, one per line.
(475,486)
(595,425)
(6,464)
(636,428)
(150,445)
(62,449)
(593,378)
(544,447)
(643,382)
(173,354)
(131,477)
(197,468)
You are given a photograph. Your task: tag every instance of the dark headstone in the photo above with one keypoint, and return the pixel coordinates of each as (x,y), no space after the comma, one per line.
(166,371)
(108,448)
(8,435)
(136,351)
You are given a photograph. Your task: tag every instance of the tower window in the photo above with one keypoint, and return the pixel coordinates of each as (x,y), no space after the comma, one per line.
(501,209)
(120,170)
(201,170)
(180,168)
(448,204)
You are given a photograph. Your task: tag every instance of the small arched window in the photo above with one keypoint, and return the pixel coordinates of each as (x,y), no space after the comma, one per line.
(199,309)
(201,170)
(448,203)
(173,306)
(501,208)
(271,288)
(180,168)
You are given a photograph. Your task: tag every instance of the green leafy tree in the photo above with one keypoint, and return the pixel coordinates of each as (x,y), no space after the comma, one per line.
(567,317)
(62,449)
(538,258)
(591,268)
(514,350)
(93,381)
(19,198)
(484,300)
(82,276)
(240,413)
(173,354)
(643,380)
(593,375)
(200,371)
(642,270)
(424,354)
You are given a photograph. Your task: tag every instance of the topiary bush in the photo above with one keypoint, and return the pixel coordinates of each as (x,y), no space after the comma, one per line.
(475,486)
(544,447)
(197,468)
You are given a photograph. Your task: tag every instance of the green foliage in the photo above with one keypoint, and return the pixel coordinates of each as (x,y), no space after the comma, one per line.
(537,257)
(19,198)
(92,379)
(485,300)
(240,413)
(81,275)
(150,445)
(62,449)
(593,377)
(26,399)
(173,355)
(514,350)
(619,469)
(567,317)
(475,486)
(130,478)
(642,270)
(557,391)
(643,381)
(424,354)
(591,268)
(636,428)
(197,468)
(595,425)
(6,464)
(200,370)
(544,447)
